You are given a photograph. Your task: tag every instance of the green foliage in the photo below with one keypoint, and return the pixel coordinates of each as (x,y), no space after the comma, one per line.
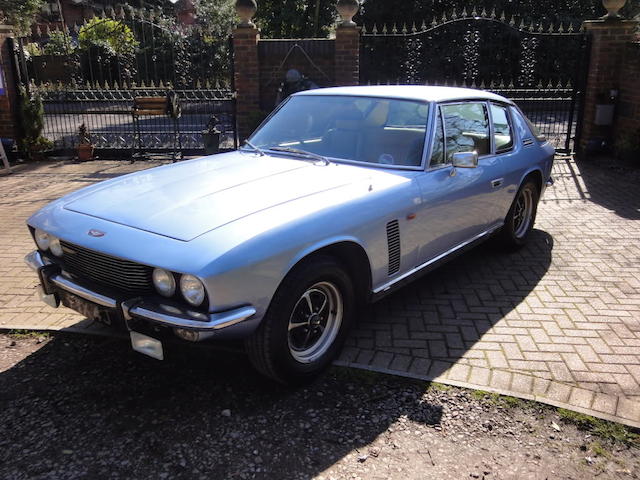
(20,13)
(297,18)
(601,428)
(111,36)
(32,49)
(59,44)
(217,17)
(32,123)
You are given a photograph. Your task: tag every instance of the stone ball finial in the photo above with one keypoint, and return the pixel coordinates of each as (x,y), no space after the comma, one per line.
(347,9)
(613,7)
(246,9)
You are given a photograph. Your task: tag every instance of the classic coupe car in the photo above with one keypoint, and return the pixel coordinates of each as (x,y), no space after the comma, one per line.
(341,196)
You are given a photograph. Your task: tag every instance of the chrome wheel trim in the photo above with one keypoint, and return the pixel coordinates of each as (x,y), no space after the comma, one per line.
(523,212)
(315,322)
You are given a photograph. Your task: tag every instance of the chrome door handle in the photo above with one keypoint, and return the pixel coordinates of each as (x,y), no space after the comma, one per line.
(497,182)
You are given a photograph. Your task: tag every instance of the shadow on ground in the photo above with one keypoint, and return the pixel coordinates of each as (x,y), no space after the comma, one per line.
(91,408)
(433,322)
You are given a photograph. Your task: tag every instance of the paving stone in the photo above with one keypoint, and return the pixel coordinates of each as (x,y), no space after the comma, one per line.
(560,319)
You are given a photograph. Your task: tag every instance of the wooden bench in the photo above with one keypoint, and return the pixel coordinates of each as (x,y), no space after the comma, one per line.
(155,107)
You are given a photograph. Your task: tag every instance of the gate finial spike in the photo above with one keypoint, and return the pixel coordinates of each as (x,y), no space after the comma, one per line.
(493,13)
(404,29)
(375,29)
(384,29)
(423,27)
(454,14)
(413,27)
(394,30)
(503,18)
(444,18)
(474,12)
(484,13)
(465,14)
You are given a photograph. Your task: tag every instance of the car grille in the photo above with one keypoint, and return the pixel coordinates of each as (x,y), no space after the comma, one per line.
(129,277)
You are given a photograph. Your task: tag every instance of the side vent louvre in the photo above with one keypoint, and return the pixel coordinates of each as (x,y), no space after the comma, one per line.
(393,241)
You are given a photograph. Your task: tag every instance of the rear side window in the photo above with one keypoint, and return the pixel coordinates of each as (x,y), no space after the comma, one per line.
(502,131)
(466,127)
(532,128)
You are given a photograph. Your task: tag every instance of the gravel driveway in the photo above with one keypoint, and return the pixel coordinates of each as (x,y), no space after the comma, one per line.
(78,407)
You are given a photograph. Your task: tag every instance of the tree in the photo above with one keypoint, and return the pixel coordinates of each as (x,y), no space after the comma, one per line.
(112,36)
(59,44)
(20,13)
(295,18)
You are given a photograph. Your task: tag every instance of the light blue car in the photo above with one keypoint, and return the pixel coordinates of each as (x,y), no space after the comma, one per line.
(341,196)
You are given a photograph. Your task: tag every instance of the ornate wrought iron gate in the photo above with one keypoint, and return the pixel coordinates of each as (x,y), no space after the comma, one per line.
(541,66)
(92,80)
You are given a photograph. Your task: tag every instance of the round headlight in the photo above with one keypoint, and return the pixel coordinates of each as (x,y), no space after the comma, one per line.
(42,239)
(192,290)
(54,246)
(164,282)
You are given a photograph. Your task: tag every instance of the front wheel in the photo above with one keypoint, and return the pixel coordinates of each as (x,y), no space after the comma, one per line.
(521,217)
(306,323)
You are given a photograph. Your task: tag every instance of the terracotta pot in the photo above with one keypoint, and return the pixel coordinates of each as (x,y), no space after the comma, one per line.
(246,9)
(85,152)
(347,9)
(613,6)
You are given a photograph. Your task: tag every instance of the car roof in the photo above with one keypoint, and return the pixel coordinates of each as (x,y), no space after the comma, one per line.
(410,92)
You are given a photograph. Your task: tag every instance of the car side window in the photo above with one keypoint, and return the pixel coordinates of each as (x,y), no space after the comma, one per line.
(466,127)
(437,153)
(502,131)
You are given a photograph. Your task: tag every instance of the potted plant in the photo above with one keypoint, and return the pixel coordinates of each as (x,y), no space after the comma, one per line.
(85,147)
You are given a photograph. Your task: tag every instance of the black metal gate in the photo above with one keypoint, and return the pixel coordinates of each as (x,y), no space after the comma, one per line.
(541,66)
(91,73)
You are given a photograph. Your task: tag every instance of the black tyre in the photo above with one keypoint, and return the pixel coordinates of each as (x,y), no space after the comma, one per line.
(521,217)
(306,323)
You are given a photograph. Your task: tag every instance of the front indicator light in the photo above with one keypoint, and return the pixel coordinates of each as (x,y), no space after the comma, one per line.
(164,282)
(54,246)
(192,290)
(42,239)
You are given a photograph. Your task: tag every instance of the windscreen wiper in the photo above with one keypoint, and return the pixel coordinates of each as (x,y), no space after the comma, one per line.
(256,149)
(302,153)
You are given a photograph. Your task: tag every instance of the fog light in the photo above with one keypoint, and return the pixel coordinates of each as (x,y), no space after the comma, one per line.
(42,239)
(54,246)
(147,345)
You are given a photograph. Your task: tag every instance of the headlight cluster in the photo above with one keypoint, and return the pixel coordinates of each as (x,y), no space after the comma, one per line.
(46,241)
(191,287)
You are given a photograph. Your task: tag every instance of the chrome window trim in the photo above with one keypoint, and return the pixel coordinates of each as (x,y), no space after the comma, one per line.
(493,136)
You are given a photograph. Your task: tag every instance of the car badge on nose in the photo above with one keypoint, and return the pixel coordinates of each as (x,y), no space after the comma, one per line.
(95,233)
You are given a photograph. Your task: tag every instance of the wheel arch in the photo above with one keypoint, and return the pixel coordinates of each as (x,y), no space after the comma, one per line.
(535,175)
(351,255)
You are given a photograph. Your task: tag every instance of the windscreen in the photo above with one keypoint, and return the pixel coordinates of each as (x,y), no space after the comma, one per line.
(362,129)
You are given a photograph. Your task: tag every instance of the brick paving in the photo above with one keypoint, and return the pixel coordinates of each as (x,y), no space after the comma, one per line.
(558,321)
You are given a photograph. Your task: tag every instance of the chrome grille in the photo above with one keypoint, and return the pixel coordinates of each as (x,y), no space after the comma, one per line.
(124,275)
(393,242)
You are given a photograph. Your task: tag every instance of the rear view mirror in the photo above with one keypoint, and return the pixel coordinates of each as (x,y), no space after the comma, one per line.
(465,159)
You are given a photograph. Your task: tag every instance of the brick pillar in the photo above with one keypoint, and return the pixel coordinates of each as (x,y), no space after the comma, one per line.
(347,62)
(8,94)
(246,77)
(608,39)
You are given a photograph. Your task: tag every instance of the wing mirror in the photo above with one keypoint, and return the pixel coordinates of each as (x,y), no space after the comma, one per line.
(465,159)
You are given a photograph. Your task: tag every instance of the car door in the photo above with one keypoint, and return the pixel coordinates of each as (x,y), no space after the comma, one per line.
(458,204)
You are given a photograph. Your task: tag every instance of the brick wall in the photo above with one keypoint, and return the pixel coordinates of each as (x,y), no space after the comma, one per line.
(260,67)
(628,115)
(8,100)
(608,41)
(313,58)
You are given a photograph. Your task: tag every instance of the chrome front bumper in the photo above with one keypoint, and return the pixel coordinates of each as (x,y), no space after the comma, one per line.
(167,315)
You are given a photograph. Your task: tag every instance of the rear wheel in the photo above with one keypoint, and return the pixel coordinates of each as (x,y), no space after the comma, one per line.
(306,323)
(521,217)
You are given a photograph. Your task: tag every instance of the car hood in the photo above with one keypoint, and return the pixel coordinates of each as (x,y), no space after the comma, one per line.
(185,200)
